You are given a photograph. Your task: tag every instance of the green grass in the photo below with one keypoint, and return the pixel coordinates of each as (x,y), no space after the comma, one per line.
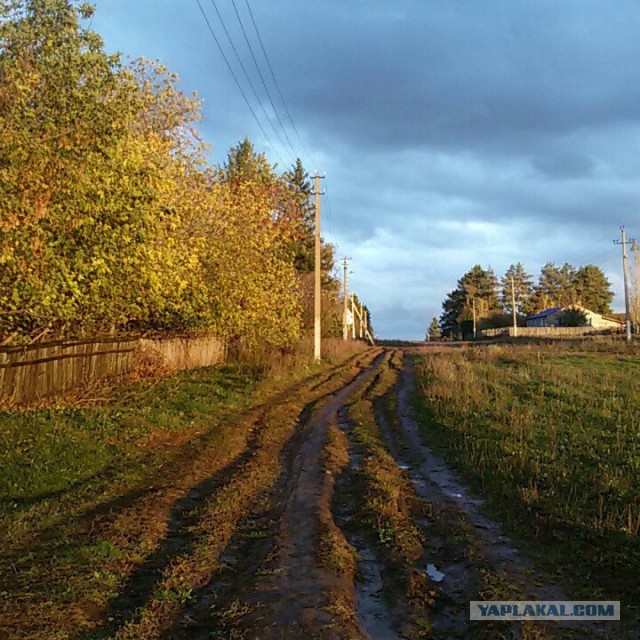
(58,454)
(85,491)
(552,438)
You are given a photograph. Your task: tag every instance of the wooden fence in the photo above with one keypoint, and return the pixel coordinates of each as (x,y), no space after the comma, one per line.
(541,332)
(31,373)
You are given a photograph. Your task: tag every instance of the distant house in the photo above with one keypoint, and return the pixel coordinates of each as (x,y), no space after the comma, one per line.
(562,316)
(541,319)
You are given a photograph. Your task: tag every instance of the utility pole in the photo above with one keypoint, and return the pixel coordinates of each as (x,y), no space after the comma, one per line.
(345,291)
(365,319)
(317,312)
(513,307)
(354,313)
(627,300)
(359,311)
(475,335)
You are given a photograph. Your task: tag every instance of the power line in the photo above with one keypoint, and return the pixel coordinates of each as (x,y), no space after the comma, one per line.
(330,215)
(244,95)
(264,84)
(244,70)
(273,75)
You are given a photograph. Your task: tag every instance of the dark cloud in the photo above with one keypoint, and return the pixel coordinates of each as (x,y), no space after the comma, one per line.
(452,133)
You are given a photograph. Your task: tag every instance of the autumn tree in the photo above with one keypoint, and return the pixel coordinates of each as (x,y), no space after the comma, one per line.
(91,163)
(246,253)
(111,218)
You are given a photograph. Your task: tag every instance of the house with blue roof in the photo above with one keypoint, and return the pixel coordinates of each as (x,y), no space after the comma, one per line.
(565,317)
(540,319)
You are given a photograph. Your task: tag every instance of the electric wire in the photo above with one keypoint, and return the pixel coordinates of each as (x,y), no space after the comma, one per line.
(264,84)
(244,95)
(329,211)
(244,71)
(275,82)
(329,216)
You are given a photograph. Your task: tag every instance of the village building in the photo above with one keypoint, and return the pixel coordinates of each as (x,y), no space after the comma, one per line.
(566,317)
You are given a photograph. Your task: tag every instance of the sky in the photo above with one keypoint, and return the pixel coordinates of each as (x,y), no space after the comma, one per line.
(451,133)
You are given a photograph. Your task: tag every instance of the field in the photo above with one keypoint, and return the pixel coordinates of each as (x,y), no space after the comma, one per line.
(550,435)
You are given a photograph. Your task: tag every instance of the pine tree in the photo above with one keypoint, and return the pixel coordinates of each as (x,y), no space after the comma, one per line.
(433,333)
(548,290)
(481,286)
(568,292)
(477,287)
(593,289)
(303,246)
(452,307)
(523,286)
(244,163)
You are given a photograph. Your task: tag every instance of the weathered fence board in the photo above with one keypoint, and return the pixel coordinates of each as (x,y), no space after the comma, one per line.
(30,373)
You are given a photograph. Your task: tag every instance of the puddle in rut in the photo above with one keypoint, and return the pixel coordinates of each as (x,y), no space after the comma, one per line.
(434,574)
(373,615)
(372,611)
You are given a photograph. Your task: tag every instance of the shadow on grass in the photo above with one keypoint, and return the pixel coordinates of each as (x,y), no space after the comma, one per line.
(178,541)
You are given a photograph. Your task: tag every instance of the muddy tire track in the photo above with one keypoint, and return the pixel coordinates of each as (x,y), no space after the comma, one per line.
(235,601)
(373,614)
(295,595)
(186,529)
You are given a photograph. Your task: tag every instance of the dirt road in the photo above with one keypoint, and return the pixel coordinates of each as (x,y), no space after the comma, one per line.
(334,522)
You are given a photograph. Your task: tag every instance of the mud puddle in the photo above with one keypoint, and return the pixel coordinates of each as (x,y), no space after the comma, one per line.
(372,611)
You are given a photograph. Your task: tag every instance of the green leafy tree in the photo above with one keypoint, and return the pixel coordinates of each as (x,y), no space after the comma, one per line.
(523,288)
(92,158)
(574,318)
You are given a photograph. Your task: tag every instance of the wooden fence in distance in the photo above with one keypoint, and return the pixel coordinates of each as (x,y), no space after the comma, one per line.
(31,373)
(541,332)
